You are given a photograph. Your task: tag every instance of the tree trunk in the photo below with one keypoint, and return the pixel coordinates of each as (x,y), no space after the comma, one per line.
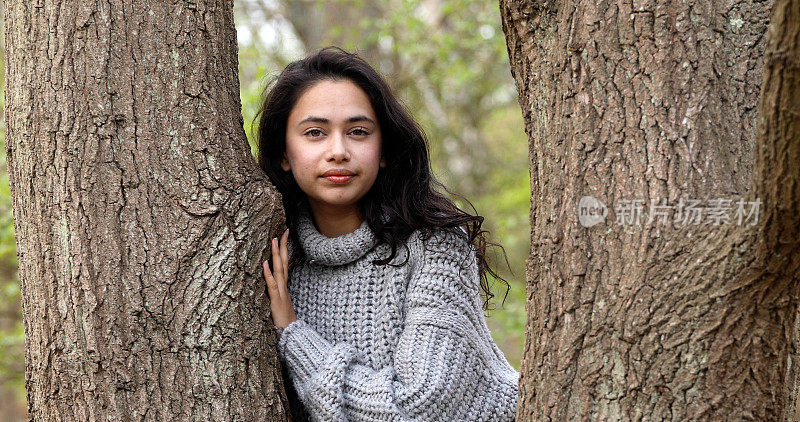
(657,101)
(141,216)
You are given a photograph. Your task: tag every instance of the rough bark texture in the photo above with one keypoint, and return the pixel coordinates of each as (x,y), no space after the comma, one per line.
(141,216)
(658,101)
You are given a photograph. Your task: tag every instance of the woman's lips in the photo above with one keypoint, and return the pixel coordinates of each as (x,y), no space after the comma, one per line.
(339,179)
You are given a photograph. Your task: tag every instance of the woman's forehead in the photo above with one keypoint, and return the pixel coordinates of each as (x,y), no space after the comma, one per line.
(335,101)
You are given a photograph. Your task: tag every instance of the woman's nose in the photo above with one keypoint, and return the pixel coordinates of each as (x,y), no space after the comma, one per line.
(338,148)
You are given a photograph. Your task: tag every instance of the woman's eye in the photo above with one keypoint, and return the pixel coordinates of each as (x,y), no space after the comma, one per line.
(362,132)
(312,131)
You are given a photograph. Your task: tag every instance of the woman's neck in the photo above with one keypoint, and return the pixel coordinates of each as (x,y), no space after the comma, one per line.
(334,221)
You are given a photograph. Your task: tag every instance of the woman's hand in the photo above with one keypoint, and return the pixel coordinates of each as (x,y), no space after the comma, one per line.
(279,301)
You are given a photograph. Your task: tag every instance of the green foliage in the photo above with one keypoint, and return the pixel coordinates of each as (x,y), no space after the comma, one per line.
(455,56)
(506,206)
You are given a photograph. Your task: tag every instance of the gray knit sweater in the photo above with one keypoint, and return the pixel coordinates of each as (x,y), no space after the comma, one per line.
(379,343)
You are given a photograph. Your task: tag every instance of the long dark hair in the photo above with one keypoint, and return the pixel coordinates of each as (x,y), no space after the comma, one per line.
(404,189)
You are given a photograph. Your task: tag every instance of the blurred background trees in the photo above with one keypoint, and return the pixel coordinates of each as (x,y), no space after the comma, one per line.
(448,62)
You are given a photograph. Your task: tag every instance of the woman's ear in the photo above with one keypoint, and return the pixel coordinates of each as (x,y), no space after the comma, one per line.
(285,163)
(383,161)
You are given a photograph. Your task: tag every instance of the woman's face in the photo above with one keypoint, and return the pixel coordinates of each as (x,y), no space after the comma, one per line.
(333,127)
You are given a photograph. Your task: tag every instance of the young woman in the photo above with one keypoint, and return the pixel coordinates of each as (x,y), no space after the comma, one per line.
(378,310)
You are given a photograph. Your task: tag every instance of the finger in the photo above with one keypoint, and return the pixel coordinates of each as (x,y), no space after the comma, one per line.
(272,286)
(277,263)
(285,254)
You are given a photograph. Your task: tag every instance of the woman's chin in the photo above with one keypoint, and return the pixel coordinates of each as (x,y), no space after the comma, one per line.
(338,202)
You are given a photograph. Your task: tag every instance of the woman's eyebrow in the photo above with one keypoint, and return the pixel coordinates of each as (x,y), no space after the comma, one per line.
(315,119)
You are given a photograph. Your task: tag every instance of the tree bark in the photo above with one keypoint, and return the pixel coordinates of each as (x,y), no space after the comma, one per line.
(141,216)
(657,101)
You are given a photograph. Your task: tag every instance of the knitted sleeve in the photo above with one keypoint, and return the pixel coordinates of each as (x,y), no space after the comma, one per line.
(446,365)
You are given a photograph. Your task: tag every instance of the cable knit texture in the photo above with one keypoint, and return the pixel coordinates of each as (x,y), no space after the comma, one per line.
(379,343)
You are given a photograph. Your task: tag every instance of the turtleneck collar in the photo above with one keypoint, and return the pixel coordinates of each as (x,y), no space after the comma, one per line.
(339,250)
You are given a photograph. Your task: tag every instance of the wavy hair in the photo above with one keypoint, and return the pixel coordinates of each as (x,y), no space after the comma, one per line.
(405,190)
